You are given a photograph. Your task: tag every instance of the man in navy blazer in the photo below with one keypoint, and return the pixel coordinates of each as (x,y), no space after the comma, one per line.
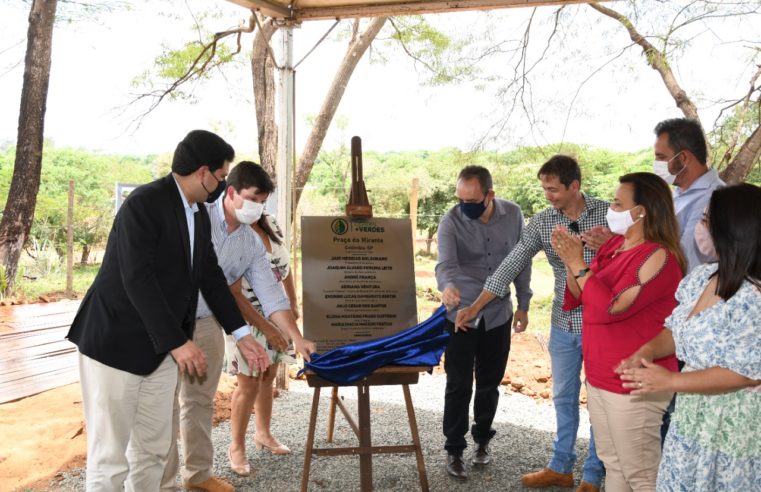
(135,326)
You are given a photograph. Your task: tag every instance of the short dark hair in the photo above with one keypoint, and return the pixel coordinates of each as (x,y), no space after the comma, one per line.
(565,167)
(247,174)
(735,226)
(660,225)
(201,148)
(479,172)
(684,134)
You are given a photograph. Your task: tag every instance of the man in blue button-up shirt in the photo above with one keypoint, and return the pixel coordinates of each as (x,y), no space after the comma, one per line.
(473,238)
(681,145)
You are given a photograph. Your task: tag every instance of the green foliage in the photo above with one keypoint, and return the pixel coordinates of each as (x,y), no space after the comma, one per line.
(441,55)
(94,179)
(740,125)
(388,177)
(192,60)
(432,207)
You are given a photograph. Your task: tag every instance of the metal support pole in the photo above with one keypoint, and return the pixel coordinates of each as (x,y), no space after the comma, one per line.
(285,135)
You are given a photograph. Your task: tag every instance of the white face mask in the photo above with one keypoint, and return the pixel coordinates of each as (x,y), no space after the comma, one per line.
(661,168)
(250,212)
(620,222)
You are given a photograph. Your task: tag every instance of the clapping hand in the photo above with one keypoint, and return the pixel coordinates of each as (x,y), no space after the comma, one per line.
(595,237)
(568,247)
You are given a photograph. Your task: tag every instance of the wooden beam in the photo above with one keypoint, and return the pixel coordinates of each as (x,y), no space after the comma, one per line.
(417,8)
(266,7)
(344,9)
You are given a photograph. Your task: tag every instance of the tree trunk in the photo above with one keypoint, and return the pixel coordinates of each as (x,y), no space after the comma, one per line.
(85,255)
(428,242)
(22,195)
(656,60)
(263,71)
(354,53)
(749,153)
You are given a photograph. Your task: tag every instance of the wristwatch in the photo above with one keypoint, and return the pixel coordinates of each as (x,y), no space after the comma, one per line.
(581,273)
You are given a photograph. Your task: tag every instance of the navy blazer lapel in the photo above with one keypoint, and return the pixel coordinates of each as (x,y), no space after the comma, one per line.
(198,248)
(182,222)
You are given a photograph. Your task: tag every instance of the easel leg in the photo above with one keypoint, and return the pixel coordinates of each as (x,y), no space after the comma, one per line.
(415,439)
(365,459)
(332,416)
(310,440)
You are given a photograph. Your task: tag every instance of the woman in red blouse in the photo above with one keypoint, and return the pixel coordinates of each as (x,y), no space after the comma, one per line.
(627,292)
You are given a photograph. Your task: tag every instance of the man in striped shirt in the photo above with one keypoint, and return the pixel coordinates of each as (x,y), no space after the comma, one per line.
(581,214)
(240,253)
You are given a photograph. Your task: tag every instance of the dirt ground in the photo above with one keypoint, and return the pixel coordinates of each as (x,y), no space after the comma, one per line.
(44,434)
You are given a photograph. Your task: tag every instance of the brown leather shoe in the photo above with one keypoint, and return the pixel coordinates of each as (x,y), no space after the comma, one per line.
(547,478)
(211,484)
(588,487)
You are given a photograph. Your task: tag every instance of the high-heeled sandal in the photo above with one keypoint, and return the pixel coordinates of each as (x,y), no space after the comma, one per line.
(279,449)
(240,469)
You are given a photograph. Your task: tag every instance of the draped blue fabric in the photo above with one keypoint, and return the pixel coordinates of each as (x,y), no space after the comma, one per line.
(421,345)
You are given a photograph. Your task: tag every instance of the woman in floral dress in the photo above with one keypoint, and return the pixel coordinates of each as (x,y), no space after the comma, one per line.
(255,389)
(714,442)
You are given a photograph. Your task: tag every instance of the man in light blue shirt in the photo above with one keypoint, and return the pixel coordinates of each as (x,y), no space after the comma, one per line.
(240,253)
(681,154)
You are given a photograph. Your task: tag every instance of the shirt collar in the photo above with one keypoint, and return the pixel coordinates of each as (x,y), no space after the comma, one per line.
(702,183)
(185,204)
(589,204)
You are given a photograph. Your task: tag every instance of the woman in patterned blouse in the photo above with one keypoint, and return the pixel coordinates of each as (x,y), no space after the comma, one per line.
(714,442)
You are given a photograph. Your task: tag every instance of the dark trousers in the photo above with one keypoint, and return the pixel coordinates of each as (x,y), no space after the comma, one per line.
(487,351)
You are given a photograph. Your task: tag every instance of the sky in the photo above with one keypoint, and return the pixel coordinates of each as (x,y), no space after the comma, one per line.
(387,104)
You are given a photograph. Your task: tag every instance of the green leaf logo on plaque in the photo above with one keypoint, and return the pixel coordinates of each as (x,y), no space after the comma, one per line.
(339,226)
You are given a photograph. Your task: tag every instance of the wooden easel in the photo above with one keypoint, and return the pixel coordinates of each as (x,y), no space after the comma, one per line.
(385,376)
(359,208)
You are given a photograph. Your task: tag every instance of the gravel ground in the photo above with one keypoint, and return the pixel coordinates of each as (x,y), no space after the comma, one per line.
(523,443)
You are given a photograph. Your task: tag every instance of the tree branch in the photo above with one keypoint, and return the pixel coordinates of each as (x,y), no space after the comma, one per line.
(656,60)
(200,65)
(743,112)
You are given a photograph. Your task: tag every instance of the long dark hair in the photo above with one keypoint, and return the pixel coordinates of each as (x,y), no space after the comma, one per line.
(734,221)
(248,174)
(660,223)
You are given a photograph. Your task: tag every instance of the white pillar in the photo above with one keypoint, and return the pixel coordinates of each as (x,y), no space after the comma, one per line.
(285,155)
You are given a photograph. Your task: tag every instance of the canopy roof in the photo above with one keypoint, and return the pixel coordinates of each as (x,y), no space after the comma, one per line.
(298,10)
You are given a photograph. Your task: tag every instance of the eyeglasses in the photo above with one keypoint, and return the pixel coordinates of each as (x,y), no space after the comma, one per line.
(574,227)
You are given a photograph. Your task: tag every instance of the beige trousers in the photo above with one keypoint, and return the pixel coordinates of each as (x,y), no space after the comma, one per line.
(627,431)
(128,420)
(194,409)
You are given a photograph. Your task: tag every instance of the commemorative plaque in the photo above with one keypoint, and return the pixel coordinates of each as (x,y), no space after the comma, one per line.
(358,279)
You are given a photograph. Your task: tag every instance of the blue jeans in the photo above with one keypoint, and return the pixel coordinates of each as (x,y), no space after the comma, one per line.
(565,353)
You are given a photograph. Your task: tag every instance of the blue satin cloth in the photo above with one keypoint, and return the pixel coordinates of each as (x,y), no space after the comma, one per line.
(421,345)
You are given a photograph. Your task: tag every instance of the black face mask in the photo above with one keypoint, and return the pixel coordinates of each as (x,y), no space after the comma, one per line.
(473,210)
(217,192)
